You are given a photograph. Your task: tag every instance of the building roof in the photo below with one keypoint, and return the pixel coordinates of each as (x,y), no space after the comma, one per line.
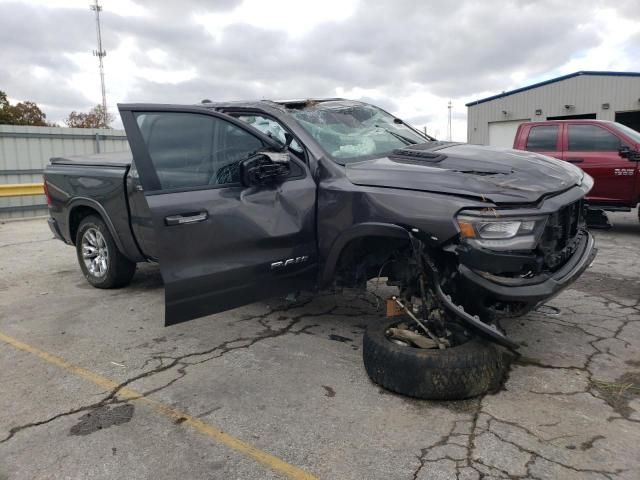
(554,80)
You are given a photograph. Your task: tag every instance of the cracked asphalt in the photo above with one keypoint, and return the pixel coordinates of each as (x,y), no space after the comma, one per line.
(288,379)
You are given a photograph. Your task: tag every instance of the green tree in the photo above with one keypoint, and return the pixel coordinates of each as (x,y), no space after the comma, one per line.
(4,108)
(28,113)
(94,118)
(22,113)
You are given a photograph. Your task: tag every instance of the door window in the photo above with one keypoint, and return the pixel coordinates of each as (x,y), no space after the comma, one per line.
(590,138)
(543,138)
(271,128)
(191,150)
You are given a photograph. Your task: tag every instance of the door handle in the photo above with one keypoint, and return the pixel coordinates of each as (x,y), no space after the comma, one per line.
(186,218)
(575,160)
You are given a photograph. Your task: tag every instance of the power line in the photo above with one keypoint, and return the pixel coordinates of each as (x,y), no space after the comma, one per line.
(449,122)
(100,53)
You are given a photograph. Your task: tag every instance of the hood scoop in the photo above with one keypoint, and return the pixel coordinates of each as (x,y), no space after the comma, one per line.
(482,173)
(421,152)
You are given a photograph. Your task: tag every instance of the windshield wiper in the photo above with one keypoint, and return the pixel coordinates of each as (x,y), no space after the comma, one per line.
(406,140)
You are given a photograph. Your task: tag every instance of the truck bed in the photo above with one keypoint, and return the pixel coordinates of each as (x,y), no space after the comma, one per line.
(84,183)
(115,159)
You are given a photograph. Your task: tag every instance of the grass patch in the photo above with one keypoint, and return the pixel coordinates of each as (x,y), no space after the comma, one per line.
(618,394)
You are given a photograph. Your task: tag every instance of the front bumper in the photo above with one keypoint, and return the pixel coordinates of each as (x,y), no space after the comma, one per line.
(537,289)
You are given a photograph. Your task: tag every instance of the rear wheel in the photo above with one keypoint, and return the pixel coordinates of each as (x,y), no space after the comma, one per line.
(465,370)
(100,260)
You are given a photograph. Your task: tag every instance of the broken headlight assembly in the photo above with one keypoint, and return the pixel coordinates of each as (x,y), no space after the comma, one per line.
(500,233)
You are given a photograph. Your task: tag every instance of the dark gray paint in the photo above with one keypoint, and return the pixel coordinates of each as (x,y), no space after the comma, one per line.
(224,261)
(114,159)
(498,175)
(100,187)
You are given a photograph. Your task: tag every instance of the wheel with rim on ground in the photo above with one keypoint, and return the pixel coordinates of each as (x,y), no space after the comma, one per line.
(471,368)
(100,260)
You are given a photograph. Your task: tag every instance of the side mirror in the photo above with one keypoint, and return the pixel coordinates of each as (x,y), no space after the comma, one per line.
(629,153)
(265,168)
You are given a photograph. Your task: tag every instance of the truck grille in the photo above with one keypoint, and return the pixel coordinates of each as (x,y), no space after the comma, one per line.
(562,234)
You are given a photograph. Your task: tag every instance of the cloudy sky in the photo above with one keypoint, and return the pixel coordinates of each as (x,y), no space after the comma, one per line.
(409,56)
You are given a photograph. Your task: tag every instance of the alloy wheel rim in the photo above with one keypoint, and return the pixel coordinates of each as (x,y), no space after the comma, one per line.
(95,253)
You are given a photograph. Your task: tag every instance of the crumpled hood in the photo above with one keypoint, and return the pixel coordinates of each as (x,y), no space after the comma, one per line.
(495,174)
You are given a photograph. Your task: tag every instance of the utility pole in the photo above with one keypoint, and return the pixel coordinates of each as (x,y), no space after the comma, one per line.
(449,122)
(100,53)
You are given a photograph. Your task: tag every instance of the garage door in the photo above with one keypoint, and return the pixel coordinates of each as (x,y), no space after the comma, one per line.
(630,119)
(501,134)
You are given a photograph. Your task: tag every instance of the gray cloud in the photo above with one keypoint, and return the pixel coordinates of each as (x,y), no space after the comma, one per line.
(419,119)
(630,9)
(185,8)
(396,48)
(454,52)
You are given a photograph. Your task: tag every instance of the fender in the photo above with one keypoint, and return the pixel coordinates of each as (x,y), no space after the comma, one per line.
(88,202)
(368,229)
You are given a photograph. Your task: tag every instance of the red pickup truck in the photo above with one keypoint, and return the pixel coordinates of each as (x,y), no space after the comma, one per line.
(608,151)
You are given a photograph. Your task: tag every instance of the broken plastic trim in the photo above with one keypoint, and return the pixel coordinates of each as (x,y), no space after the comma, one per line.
(473,320)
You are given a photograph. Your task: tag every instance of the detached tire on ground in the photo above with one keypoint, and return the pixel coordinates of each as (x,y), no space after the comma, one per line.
(100,260)
(454,373)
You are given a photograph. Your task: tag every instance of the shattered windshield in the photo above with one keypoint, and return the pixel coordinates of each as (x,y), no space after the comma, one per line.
(353,131)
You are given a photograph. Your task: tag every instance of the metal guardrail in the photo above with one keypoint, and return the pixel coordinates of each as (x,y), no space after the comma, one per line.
(21,189)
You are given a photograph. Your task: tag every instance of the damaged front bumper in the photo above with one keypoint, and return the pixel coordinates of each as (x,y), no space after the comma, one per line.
(527,290)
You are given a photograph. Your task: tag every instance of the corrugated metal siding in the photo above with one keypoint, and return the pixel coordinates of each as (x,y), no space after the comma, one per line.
(25,151)
(587,93)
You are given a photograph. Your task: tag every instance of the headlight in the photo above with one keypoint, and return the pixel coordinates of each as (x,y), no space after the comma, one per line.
(499,233)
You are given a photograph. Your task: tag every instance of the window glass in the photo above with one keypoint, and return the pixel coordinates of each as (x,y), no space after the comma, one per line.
(352,131)
(590,138)
(543,138)
(630,132)
(271,128)
(191,150)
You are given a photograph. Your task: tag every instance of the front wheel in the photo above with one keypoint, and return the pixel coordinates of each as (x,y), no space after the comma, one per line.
(100,260)
(461,371)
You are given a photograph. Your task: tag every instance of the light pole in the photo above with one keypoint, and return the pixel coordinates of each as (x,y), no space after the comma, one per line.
(449,122)
(100,53)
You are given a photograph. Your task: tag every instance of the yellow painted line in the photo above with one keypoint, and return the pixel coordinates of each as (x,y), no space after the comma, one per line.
(268,460)
(21,189)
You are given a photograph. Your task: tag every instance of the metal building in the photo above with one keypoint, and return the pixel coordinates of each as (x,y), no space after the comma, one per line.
(611,96)
(26,150)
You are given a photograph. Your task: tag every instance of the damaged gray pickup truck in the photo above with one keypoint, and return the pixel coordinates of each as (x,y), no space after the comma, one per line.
(244,201)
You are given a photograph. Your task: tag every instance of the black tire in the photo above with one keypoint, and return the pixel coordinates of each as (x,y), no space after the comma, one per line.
(455,373)
(119,269)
